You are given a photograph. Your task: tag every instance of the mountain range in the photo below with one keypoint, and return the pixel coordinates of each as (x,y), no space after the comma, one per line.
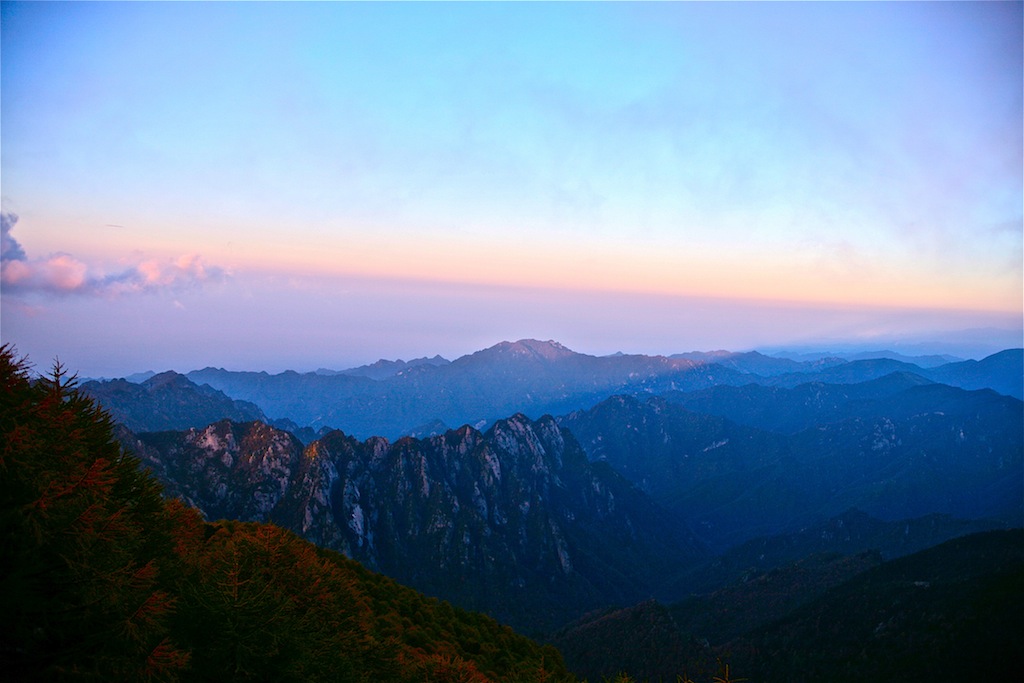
(514,522)
(384,369)
(535,522)
(535,378)
(675,488)
(428,395)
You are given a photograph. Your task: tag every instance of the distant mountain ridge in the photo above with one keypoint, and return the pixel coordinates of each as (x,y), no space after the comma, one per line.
(1002,372)
(756,363)
(527,376)
(382,369)
(544,377)
(168,401)
(926,361)
(788,410)
(425,396)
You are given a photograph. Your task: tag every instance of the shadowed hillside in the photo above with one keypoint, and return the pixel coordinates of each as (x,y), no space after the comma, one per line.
(954,612)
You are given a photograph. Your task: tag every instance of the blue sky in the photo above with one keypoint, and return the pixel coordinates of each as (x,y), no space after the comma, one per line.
(265,185)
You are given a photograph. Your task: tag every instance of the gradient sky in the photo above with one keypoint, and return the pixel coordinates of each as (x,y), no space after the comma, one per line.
(302,185)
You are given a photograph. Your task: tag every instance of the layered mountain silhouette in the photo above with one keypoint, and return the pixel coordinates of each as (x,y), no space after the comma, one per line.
(653,641)
(1002,372)
(538,378)
(953,612)
(755,363)
(928,449)
(426,396)
(528,376)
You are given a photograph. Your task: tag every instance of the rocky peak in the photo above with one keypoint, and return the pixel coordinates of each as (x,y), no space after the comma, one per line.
(228,469)
(169,379)
(516,512)
(548,350)
(524,350)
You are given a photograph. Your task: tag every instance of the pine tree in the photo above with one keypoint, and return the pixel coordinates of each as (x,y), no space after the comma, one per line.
(84,537)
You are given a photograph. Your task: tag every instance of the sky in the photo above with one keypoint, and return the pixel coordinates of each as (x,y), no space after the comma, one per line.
(272,186)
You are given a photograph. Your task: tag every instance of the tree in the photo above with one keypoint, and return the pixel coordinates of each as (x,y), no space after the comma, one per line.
(84,536)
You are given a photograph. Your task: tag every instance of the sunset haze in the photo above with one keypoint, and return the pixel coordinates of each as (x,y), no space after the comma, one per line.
(302,185)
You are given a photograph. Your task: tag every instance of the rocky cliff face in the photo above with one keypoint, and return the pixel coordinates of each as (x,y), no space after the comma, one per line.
(228,470)
(515,521)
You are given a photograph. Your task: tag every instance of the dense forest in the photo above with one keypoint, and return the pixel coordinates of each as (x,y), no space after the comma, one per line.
(105,579)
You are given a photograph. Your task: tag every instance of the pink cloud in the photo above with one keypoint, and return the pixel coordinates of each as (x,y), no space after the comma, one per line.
(64,274)
(58,272)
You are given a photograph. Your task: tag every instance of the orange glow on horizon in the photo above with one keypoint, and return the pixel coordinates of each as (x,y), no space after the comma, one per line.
(567,263)
(595,267)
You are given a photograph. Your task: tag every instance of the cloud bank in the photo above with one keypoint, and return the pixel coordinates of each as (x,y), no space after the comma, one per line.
(62,273)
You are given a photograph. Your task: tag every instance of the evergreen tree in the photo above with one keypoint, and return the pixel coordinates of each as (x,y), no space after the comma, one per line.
(85,537)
